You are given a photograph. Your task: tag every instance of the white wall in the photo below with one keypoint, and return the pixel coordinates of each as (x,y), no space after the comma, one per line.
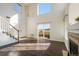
(31,20)
(8,9)
(55,18)
(56,23)
(23,21)
(73,13)
(4,40)
(70,23)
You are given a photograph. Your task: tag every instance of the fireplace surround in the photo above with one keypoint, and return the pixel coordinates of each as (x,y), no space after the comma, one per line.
(73,44)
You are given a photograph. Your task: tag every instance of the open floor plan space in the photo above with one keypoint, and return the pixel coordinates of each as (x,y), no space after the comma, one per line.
(39,29)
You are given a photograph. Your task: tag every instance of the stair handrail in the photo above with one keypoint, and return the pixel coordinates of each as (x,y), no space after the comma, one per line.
(16,30)
(14,27)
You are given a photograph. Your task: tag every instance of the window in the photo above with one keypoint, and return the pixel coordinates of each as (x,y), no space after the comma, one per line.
(44,31)
(17,8)
(43,8)
(14,20)
(43,26)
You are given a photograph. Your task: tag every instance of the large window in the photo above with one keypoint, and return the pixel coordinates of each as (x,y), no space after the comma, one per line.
(44,8)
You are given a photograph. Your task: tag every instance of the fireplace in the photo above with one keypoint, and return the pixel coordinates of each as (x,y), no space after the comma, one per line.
(73,48)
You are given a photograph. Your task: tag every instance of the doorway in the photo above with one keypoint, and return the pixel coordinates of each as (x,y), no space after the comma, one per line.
(43,31)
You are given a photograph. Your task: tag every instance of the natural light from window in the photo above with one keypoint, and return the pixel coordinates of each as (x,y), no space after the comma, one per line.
(14,20)
(44,31)
(44,26)
(43,8)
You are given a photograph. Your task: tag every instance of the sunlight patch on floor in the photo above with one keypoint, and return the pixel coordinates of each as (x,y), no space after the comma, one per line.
(13,53)
(27,46)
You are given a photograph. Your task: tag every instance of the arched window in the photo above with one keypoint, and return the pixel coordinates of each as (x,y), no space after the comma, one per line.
(43,8)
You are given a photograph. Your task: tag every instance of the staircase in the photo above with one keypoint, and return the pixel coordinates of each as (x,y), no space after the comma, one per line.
(8,33)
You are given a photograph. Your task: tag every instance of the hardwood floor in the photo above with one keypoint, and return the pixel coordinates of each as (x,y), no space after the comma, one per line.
(34,48)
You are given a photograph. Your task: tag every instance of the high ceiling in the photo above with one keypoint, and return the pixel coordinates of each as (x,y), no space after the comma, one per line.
(8,9)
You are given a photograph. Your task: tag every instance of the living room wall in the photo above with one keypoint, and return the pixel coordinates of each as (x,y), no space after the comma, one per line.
(55,18)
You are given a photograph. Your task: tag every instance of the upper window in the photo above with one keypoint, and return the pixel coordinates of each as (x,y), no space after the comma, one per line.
(18,8)
(14,20)
(44,8)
